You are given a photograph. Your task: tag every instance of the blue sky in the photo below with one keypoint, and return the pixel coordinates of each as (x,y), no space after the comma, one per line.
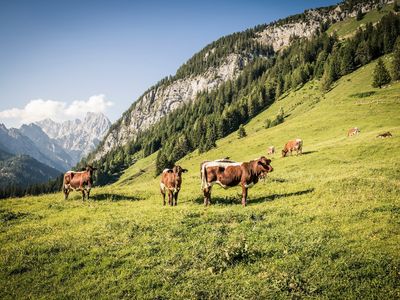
(109,51)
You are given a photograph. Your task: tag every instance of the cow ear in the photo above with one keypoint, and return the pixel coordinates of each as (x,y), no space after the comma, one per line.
(184,170)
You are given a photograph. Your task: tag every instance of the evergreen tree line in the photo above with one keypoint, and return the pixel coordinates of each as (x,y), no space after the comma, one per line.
(215,114)
(52,186)
(214,54)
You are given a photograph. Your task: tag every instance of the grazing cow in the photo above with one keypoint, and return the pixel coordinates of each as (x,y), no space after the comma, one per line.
(384,135)
(294,145)
(228,173)
(353,131)
(171,180)
(271,150)
(78,181)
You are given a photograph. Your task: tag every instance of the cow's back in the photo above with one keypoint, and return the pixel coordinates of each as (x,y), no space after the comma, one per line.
(167,179)
(290,145)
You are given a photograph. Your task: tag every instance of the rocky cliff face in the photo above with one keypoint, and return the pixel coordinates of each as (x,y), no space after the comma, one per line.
(77,137)
(161,100)
(279,36)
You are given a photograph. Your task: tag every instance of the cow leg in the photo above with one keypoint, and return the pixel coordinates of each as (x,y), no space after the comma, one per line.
(176,198)
(87,194)
(163,195)
(244,195)
(66,193)
(83,195)
(170,198)
(207,196)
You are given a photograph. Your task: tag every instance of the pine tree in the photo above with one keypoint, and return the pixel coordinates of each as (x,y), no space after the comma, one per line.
(328,77)
(363,53)
(381,75)
(347,62)
(396,60)
(241,132)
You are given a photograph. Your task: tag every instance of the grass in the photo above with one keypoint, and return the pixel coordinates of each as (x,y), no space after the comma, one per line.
(349,26)
(324,225)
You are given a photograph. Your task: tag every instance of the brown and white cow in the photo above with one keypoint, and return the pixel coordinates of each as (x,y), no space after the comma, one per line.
(293,145)
(229,173)
(78,181)
(171,180)
(271,150)
(353,131)
(386,134)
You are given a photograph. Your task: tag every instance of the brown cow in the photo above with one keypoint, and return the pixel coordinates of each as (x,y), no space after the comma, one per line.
(294,145)
(171,180)
(229,173)
(78,181)
(384,135)
(353,131)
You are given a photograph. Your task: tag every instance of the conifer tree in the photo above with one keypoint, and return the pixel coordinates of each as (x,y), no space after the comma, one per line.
(381,75)
(241,132)
(396,60)
(347,62)
(328,77)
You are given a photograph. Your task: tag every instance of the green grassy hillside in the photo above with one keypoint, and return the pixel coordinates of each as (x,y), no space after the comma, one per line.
(323,225)
(348,26)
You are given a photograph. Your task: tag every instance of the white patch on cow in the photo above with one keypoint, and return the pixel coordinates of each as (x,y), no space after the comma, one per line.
(162,186)
(221,164)
(75,172)
(216,163)
(166,170)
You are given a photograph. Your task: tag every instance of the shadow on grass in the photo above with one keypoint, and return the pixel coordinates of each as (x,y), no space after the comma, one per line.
(113,197)
(285,195)
(309,152)
(250,200)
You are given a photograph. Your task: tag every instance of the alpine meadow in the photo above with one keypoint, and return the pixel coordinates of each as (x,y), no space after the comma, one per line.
(324,224)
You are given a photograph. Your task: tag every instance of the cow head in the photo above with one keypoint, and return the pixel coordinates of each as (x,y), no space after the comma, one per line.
(178,170)
(90,169)
(263,166)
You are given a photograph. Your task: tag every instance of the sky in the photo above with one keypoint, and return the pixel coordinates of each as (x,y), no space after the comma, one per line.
(61,59)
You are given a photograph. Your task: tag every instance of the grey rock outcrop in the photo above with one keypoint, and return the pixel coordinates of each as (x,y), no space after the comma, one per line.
(160,101)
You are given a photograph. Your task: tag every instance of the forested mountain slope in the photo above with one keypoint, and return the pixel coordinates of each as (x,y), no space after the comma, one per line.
(19,171)
(214,114)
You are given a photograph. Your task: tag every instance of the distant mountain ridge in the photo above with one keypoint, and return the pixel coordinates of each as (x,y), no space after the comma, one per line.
(48,146)
(23,170)
(40,151)
(77,137)
(15,142)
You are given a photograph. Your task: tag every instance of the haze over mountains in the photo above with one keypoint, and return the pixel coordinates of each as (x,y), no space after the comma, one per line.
(51,146)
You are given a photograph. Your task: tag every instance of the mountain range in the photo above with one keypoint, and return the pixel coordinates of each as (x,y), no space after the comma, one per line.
(48,147)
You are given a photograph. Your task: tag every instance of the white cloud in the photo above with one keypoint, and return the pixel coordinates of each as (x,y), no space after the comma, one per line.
(58,111)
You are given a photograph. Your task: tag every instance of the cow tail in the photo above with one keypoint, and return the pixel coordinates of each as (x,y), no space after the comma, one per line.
(203,173)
